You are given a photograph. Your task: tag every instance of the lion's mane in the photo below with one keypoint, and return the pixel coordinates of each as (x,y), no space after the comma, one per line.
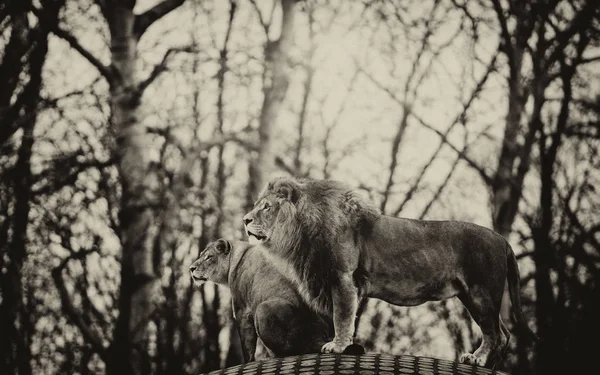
(311,224)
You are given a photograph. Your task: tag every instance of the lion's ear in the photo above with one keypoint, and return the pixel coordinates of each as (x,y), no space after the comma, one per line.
(223,246)
(288,190)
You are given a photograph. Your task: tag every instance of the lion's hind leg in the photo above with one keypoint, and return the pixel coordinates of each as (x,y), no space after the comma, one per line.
(506,333)
(485,311)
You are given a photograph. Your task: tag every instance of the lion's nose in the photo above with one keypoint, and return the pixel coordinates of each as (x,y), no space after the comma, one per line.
(247,220)
(192,268)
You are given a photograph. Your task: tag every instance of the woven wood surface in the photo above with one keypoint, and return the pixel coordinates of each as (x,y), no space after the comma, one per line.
(367,364)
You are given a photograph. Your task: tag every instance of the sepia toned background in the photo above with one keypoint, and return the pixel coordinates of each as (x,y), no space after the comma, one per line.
(132,133)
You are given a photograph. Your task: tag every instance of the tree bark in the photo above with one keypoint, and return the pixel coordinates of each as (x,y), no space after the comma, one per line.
(550,315)
(210,321)
(141,257)
(11,68)
(275,83)
(514,160)
(15,351)
(139,271)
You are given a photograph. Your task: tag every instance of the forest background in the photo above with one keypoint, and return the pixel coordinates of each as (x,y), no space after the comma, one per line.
(132,133)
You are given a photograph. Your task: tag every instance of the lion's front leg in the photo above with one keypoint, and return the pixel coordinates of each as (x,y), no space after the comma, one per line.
(345,304)
(248,336)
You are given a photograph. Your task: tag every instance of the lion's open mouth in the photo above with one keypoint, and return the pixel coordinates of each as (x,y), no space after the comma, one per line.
(199,278)
(258,237)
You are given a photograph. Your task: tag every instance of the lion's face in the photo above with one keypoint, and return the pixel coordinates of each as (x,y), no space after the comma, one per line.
(259,223)
(213,264)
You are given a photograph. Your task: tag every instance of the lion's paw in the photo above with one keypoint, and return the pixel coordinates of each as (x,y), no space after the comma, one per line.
(471,359)
(334,347)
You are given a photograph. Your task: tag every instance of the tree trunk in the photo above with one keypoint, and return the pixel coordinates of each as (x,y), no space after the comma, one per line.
(210,321)
(15,51)
(140,263)
(15,326)
(15,348)
(504,206)
(550,318)
(275,84)
(141,190)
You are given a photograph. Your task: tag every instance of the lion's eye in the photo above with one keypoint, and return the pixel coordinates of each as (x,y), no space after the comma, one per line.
(266,207)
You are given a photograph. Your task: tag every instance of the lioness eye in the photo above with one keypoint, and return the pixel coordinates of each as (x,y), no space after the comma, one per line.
(266,207)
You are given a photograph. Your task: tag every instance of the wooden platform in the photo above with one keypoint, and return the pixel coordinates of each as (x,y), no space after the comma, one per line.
(367,364)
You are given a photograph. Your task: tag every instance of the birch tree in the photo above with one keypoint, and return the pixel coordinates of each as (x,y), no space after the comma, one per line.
(140,265)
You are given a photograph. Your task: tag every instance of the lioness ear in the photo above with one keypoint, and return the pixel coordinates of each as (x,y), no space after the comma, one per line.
(288,190)
(223,246)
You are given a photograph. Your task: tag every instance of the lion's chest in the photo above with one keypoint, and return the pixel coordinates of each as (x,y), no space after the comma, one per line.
(288,271)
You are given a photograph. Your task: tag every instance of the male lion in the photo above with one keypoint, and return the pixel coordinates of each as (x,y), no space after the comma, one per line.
(265,303)
(336,247)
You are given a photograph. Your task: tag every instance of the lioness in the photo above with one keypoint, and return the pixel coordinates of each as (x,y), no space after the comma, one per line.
(265,303)
(336,247)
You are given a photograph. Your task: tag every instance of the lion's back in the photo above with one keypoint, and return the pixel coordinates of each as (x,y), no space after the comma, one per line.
(410,235)
(417,251)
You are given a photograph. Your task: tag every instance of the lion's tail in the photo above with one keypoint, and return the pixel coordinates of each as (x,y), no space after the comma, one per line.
(514,290)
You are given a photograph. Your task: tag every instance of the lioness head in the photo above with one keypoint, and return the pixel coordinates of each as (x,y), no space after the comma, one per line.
(213,263)
(280,195)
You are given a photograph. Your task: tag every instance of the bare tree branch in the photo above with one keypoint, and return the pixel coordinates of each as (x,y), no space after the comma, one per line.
(280,163)
(60,180)
(591,59)
(266,24)
(409,97)
(425,46)
(221,75)
(379,85)
(458,119)
(202,146)
(439,191)
(406,110)
(334,123)
(106,71)
(146,19)
(310,73)
(449,175)
(461,153)
(525,254)
(162,67)
(579,23)
(507,45)
(88,333)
